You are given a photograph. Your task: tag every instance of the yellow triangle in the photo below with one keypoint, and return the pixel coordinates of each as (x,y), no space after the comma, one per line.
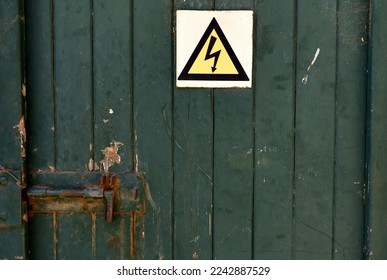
(224,64)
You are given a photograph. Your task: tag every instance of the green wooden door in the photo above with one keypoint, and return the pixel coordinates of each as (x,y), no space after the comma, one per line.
(292,168)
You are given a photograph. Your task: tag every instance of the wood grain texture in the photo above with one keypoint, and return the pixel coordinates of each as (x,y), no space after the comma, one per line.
(351,87)
(12,131)
(73,84)
(376,219)
(233,166)
(112,79)
(153,120)
(193,179)
(274,134)
(315,130)
(40,85)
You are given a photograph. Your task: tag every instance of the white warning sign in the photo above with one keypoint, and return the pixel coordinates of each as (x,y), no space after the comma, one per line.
(214,49)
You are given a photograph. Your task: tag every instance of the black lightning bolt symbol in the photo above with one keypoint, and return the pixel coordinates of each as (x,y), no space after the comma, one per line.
(215,54)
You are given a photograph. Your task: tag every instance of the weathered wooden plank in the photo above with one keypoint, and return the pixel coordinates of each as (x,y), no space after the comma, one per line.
(376,221)
(74,236)
(153,128)
(40,85)
(233,166)
(193,178)
(41,237)
(112,240)
(11,80)
(315,129)
(112,60)
(12,130)
(73,84)
(350,129)
(274,134)
(12,244)
(11,210)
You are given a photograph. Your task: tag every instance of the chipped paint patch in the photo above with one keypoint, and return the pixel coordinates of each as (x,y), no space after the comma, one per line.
(90,165)
(23,136)
(111,155)
(25,217)
(195,239)
(195,256)
(24,90)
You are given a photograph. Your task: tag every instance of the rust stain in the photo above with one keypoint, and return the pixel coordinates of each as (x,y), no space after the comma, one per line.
(111,155)
(55,236)
(114,242)
(133,236)
(122,238)
(93,235)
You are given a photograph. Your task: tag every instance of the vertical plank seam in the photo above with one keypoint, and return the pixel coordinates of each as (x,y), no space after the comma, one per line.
(55,234)
(254,130)
(212,212)
(93,235)
(367,156)
(133,237)
(131,97)
(92,89)
(335,127)
(295,73)
(173,27)
(53,78)
(211,222)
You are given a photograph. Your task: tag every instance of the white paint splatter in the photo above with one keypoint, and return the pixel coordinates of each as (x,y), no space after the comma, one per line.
(315,58)
(305,78)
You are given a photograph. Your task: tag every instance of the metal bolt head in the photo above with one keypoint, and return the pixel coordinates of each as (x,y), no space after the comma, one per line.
(3,181)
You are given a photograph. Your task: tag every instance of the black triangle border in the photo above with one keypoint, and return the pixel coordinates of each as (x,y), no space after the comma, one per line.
(241,76)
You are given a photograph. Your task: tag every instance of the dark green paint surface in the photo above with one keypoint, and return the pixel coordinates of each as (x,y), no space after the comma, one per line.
(193,176)
(274,132)
(12,134)
(315,131)
(277,171)
(376,192)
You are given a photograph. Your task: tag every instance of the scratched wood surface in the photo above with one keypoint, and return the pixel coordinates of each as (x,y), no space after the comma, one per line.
(272,172)
(376,217)
(193,151)
(12,131)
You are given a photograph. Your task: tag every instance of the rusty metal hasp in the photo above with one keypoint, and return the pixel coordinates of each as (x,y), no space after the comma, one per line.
(81,192)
